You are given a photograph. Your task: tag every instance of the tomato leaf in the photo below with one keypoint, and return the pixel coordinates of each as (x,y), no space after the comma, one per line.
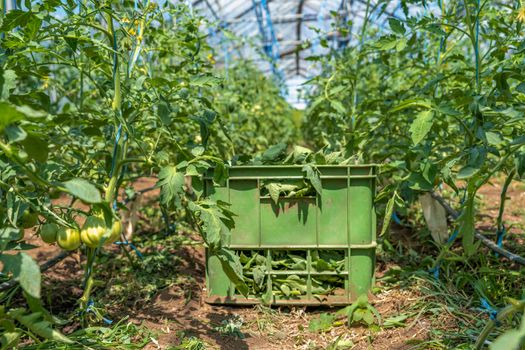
(25,270)
(15,133)
(163,111)
(7,83)
(338,106)
(9,339)
(274,152)
(39,326)
(84,190)
(388,213)
(411,103)
(36,148)
(466,172)
(493,138)
(233,269)
(171,183)
(204,80)
(274,190)
(421,126)
(7,235)
(313,176)
(9,114)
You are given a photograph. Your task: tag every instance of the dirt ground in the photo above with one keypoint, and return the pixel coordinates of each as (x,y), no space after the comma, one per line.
(180,310)
(277,328)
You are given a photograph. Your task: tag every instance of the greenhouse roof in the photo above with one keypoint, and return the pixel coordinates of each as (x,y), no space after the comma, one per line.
(285,32)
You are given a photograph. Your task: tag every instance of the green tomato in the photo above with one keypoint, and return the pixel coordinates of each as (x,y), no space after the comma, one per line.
(29,219)
(68,238)
(48,233)
(116,230)
(93,231)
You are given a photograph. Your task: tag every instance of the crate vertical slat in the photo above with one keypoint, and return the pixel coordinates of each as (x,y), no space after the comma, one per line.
(341,218)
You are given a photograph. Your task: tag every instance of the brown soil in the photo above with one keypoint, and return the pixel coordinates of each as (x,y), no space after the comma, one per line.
(175,310)
(180,310)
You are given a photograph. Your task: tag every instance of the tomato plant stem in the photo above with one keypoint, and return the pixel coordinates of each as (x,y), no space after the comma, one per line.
(88,279)
(518,306)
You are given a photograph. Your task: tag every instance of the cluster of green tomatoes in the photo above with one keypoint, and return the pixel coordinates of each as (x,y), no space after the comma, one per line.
(94,233)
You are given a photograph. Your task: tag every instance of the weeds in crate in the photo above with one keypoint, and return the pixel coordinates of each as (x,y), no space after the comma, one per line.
(328,260)
(254,271)
(293,283)
(288,189)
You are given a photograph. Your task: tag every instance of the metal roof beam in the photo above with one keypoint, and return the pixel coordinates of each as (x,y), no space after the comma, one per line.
(298,34)
(275,19)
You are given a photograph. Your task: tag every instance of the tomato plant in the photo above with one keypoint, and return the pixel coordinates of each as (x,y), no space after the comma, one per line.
(254,114)
(437,99)
(93,95)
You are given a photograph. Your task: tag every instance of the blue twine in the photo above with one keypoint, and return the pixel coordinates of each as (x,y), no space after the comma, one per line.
(435,270)
(90,309)
(270,43)
(132,246)
(396,218)
(453,237)
(486,307)
(462,201)
(500,234)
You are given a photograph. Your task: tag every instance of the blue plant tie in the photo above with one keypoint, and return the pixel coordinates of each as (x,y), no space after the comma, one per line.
(90,309)
(500,234)
(464,196)
(396,218)
(435,270)
(493,313)
(132,246)
(453,237)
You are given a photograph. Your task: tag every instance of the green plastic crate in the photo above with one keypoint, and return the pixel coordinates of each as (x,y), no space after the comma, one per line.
(341,218)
